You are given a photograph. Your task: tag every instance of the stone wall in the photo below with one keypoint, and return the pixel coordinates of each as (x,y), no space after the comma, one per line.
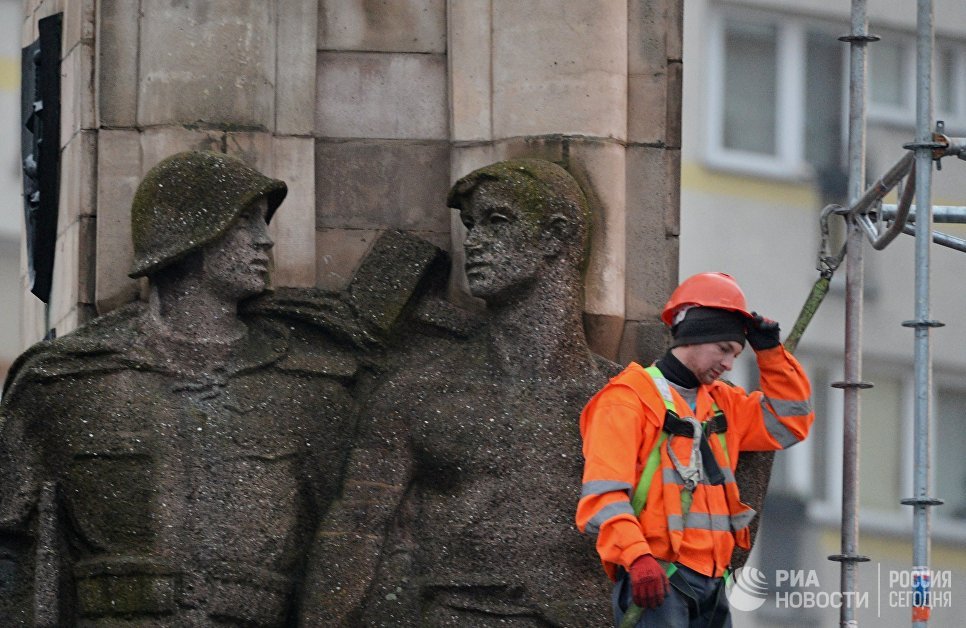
(370,109)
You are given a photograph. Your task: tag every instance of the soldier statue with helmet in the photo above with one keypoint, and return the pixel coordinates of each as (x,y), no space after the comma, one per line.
(165,465)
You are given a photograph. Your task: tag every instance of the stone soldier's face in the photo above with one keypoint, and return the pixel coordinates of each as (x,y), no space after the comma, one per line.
(503,248)
(237,264)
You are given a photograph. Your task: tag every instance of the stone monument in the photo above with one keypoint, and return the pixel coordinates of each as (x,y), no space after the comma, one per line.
(166,465)
(458,502)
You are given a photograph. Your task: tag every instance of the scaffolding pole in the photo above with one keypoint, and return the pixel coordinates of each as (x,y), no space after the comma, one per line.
(858,39)
(924,147)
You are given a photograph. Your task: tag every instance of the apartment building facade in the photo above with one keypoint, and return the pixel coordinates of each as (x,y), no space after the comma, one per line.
(764,145)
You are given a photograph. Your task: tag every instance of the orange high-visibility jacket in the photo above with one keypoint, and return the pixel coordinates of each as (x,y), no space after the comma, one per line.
(623,422)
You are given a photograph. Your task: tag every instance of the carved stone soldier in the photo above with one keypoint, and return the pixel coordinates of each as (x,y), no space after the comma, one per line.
(457,505)
(166,464)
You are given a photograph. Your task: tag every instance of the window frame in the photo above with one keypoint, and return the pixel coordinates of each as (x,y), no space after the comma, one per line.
(789,161)
(905,115)
(898,521)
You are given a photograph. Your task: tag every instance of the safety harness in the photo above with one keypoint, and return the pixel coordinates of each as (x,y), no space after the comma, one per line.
(702,462)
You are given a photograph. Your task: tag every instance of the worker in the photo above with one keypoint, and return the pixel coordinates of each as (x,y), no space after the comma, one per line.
(661,445)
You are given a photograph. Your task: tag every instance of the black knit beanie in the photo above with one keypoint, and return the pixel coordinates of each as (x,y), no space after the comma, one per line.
(709,324)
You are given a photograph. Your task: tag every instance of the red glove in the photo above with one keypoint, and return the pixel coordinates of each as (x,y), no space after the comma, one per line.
(649,585)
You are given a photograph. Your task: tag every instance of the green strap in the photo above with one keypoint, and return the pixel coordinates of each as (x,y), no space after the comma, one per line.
(814,300)
(650,468)
(724,447)
(654,458)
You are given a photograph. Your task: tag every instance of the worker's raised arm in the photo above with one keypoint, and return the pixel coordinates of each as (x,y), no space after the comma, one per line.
(780,414)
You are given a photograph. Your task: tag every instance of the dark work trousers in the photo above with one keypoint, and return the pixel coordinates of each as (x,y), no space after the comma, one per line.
(679,610)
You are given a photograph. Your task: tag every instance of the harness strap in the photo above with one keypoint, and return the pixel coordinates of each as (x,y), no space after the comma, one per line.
(718,424)
(690,428)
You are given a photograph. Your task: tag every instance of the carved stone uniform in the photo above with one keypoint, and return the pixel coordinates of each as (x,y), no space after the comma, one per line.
(144,494)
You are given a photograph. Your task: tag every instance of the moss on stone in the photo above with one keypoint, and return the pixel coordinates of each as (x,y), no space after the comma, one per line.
(189,200)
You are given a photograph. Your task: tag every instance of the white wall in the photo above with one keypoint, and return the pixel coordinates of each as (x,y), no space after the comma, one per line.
(11,207)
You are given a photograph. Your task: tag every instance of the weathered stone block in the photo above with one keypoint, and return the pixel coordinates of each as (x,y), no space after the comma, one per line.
(651,227)
(78,24)
(46,8)
(340,251)
(673,106)
(599,166)
(77,92)
(78,168)
(64,288)
(293,227)
(254,148)
(675,30)
(86,258)
(604,333)
(119,171)
(32,318)
(210,62)
(161,142)
(647,35)
(374,185)
(295,84)
(394,96)
(471,96)
(547,79)
(117,63)
(643,341)
(383,25)
(646,113)
(468,157)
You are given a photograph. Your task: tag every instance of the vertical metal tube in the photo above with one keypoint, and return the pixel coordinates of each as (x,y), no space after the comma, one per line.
(854,288)
(922,359)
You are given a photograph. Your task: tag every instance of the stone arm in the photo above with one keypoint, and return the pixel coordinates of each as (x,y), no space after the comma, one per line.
(19,499)
(364,532)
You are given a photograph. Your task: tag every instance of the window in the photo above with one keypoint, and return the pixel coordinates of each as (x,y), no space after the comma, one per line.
(950,75)
(892,81)
(889,92)
(778,92)
(775,95)
(750,97)
(886,458)
(950,443)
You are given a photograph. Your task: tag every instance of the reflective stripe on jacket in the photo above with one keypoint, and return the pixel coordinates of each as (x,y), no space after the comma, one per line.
(623,422)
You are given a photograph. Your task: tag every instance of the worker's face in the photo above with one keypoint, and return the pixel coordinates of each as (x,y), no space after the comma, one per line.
(709,360)
(503,249)
(236,265)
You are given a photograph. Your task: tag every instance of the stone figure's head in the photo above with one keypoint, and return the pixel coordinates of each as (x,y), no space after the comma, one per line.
(523,215)
(210,209)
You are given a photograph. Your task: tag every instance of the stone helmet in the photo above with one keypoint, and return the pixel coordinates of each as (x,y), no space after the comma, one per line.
(189,200)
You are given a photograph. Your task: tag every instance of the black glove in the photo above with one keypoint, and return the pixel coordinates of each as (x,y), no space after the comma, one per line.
(763,333)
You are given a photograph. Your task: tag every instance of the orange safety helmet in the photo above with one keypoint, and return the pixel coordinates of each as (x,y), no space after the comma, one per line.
(706,290)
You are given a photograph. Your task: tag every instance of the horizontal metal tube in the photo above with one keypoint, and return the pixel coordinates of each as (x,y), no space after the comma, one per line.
(943,239)
(884,185)
(940,213)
